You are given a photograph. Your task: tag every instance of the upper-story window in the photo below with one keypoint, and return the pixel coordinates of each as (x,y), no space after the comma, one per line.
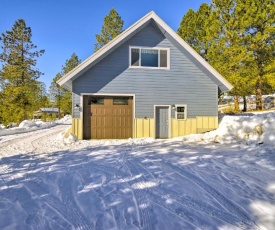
(149,57)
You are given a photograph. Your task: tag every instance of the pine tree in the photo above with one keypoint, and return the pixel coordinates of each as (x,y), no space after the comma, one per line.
(237,38)
(111,28)
(199,29)
(61,97)
(258,33)
(18,76)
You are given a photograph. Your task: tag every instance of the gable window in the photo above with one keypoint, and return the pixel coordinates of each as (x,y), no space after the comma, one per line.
(181,112)
(149,57)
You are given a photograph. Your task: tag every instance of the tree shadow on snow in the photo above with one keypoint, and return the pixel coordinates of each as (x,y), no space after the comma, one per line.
(131,187)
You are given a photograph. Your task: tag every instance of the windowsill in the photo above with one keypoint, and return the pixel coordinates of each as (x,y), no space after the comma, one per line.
(153,68)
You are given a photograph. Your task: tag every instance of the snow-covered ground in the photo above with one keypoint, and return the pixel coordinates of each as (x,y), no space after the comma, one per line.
(224,179)
(30,125)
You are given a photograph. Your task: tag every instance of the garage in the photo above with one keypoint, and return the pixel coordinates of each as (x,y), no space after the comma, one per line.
(106,117)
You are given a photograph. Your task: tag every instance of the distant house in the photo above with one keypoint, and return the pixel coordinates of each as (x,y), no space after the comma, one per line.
(147,82)
(45,111)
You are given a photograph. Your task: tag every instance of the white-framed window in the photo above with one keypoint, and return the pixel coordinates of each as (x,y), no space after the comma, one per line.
(181,112)
(146,57)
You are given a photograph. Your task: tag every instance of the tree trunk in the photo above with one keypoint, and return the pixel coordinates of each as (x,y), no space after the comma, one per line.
(244,104)
(236,103)
(259,102)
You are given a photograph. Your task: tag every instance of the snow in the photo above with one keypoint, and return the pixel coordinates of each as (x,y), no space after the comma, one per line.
(224,179)
(251,129)
(30,125)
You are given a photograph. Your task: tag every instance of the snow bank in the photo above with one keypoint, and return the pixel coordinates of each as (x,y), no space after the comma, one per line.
(255,129)
(67,137)
(66,120)
(30,125)
(26,126)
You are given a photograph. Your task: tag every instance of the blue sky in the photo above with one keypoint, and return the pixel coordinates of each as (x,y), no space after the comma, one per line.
(63,27)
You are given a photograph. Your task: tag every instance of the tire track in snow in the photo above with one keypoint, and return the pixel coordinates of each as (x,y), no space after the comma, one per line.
(228,171)
(160,196)
(67,197)
(110,173)
(219,197)
(68,213)
(29,143)
(146,212)
(141,182)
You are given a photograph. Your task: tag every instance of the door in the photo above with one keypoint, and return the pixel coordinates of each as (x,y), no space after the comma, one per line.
(108,117)
(162,122)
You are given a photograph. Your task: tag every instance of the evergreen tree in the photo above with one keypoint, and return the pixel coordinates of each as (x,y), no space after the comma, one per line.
(258,33)
(60,97)
(236,37)
(18,76)
(111,28)
(199,29)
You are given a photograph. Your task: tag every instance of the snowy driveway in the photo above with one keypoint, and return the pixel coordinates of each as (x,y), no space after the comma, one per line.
(133,184)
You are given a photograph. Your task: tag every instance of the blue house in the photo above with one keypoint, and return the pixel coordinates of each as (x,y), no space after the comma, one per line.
(147,82)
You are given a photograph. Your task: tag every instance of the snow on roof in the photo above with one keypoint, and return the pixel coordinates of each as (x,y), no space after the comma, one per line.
(55,110)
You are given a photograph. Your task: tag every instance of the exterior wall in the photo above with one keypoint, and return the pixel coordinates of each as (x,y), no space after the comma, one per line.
(183,83)
(77,128)
(146,127)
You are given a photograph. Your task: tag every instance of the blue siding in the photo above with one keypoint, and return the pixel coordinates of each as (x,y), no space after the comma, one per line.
(184,83)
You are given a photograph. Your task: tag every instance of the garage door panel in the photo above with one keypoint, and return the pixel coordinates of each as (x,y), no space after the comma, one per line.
(108,120)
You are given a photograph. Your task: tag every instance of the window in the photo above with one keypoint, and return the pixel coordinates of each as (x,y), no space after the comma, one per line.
(95,100)
(149,57)
(120,101)
(181,112)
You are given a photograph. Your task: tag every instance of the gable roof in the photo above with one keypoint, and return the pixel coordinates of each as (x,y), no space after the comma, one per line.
(66,81)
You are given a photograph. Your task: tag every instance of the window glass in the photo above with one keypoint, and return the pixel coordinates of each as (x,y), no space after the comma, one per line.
(149,57)
(135,57)
(180,109)
(120,101)
(180,116)
(96,100)
(163,58)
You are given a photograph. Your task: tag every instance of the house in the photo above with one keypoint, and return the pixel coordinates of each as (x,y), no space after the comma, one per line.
(147,82)
(45,111)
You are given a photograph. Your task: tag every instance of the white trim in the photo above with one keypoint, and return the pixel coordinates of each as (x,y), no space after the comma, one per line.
(133,29)
(185,111)
(149,67)
(169,119)
(104,49)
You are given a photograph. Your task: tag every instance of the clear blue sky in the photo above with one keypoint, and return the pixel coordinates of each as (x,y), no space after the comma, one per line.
(63,27)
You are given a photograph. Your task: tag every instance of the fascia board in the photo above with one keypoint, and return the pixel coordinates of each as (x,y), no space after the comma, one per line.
(123,36)
(188,48)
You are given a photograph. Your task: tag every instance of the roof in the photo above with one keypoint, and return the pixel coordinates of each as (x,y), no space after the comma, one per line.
(66,81)
(49,110)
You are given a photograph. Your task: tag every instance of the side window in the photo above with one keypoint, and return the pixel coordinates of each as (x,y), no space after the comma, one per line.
(181,112)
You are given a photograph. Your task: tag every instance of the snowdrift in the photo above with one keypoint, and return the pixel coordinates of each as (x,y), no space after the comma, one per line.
(30,125)
(250,129)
